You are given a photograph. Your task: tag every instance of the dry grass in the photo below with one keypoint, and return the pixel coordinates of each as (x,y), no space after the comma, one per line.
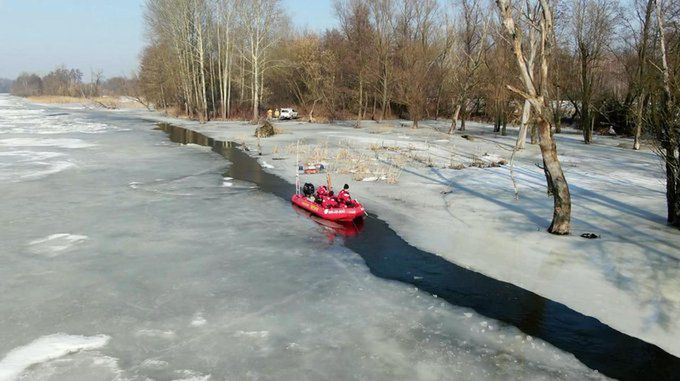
(107,102)
(382,163)
(56,99)
(320,120)
(380,128)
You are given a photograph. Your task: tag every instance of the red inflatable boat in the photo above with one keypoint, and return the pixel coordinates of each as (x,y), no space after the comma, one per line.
(341,208)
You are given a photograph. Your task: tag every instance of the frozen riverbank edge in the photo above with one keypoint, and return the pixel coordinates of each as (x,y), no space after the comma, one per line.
(628,279)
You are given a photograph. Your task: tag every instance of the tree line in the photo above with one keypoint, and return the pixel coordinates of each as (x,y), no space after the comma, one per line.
(5,85)
(598,65)
(63,81)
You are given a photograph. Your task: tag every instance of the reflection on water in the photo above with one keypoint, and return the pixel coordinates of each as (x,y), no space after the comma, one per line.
(333,228)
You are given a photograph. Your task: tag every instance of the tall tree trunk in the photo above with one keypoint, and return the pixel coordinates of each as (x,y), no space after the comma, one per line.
(229,67)
(221,77)
(642,64)
(361,101)
(669,135)
(639,120)
(242,79)
(454,119)
(557,111)
(523,127)
(585,102)
(557,182)
(497,121)
(256,88)
(375,105)
(384,104)
(201,60)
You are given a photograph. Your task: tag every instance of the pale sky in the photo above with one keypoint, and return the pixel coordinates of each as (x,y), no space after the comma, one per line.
(37,35)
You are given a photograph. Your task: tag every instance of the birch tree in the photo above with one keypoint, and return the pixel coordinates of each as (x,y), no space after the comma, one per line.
(536,92)
(260,21)
(642,56)
(225,29)
(531,15)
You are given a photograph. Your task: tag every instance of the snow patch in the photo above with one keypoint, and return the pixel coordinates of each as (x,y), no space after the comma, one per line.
(198,320)
(80,366)
(154,364)
(191,375)
(44,349)
(254,334)
(55,244)
(169,334)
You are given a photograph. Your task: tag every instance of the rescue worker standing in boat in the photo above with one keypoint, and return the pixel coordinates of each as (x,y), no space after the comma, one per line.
(344,197)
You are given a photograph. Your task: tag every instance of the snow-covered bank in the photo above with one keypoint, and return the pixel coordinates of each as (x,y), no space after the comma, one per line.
(628,279)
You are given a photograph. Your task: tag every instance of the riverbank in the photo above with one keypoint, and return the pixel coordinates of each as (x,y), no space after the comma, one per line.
(628,279)
(107,102)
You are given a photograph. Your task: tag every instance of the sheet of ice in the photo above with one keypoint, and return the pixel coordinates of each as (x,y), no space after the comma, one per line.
(173,246)
(19,165)
(44,349)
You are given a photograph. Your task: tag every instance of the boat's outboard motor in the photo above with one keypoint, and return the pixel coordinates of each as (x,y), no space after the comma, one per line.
(308,189)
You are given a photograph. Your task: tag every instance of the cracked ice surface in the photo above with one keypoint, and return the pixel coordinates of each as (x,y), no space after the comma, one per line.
(179,277)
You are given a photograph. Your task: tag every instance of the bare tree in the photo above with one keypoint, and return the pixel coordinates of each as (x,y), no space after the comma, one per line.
(667,120)
(469,45)
(531,15)
(417,53)
(536,92)
(642,70)
(592,29)
(313,73)
(382,14)
(260,20)
(355,24)
(225,25)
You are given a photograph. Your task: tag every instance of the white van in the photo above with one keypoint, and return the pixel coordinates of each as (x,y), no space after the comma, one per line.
(288,113)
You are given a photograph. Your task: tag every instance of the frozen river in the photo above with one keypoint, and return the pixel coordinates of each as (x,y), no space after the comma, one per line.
(126,256)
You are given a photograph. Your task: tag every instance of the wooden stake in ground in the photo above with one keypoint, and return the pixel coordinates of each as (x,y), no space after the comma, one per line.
(537,96)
